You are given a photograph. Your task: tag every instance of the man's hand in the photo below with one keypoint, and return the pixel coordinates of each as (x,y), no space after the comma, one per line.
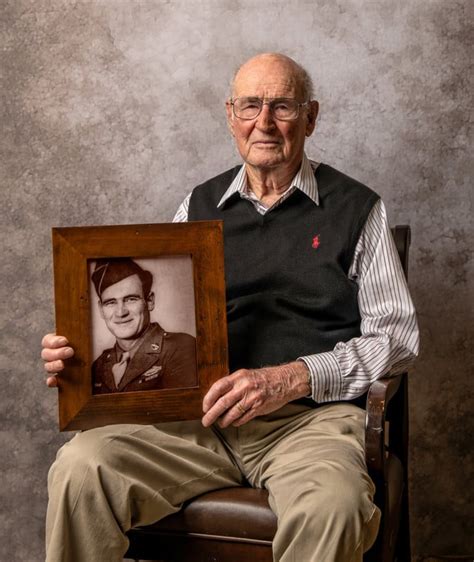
(55,351)
(246,394)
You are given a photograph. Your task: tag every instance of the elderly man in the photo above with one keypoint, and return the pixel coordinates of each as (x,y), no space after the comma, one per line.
(317,309)
(144,356)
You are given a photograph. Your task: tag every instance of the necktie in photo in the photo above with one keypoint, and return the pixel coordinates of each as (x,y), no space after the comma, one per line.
(118,369)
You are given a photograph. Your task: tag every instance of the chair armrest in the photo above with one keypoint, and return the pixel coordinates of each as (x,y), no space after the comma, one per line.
(379,395)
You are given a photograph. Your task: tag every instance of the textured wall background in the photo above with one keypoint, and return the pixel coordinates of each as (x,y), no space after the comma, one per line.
(112,110)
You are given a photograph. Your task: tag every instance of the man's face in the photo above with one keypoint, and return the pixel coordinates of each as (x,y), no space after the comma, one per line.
(124,308)
(265,142)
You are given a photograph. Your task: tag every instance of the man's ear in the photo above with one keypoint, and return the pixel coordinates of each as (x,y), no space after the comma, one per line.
(150,301)
(311,116)
(230,116)
(101,310)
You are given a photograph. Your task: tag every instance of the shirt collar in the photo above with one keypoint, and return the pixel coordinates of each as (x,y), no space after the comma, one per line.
(304,180)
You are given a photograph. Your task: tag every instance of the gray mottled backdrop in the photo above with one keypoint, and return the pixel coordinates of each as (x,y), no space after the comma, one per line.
(112,110)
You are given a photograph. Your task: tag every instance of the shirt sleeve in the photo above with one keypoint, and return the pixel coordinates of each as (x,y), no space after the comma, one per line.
(183,211)
(389,338)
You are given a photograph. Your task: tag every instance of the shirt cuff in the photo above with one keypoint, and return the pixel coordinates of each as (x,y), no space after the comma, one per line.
(326,379)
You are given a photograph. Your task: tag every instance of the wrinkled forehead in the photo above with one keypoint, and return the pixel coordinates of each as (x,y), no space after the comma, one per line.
(267,77)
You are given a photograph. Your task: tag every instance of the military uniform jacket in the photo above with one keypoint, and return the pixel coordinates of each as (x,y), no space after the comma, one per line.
(162,360)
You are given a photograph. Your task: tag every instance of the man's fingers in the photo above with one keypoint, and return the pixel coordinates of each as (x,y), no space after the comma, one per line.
(222,398)
(52,382)
(235,414)
(55,350)
(54,366)
(54,341)
(217,410)
(49,354)
(218,389)
(244,418)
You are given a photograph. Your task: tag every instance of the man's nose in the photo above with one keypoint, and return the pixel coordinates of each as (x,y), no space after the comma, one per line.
(265,119)
(121,309)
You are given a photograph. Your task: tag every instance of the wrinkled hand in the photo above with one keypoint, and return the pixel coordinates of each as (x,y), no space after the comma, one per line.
(55,351)
(246,394)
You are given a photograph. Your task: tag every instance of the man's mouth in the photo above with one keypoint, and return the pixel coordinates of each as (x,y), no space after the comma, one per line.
(266,142)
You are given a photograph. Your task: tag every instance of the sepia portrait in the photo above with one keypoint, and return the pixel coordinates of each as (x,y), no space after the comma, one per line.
(142,324)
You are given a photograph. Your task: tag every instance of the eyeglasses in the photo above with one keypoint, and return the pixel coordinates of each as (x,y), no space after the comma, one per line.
(283,109)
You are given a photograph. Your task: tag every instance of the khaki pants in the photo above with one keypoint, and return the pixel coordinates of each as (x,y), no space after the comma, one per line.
(107,480)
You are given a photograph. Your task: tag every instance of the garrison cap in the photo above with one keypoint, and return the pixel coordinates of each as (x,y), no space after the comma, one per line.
(109,271)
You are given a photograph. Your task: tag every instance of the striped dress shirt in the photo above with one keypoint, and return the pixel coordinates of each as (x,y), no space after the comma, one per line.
(389,338)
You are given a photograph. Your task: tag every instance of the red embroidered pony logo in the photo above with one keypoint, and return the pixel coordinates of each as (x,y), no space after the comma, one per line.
(316,242)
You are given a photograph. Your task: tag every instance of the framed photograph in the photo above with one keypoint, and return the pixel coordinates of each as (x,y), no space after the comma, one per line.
(143,306)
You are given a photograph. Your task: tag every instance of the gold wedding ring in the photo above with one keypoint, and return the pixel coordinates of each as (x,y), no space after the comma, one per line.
(241,408)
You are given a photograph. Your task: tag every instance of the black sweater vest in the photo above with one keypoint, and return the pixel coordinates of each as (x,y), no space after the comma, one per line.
(287,286)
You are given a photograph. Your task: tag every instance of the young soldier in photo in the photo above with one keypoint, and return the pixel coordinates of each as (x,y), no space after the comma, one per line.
(144,357)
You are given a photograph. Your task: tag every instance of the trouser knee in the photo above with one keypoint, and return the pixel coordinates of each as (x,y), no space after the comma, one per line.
(81,461)
(329,523)
(344,503)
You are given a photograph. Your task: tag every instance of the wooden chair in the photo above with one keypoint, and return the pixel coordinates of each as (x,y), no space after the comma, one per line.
(237,524)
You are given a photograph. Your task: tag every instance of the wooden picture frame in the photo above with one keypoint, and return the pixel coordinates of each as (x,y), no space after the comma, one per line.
(74,249)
